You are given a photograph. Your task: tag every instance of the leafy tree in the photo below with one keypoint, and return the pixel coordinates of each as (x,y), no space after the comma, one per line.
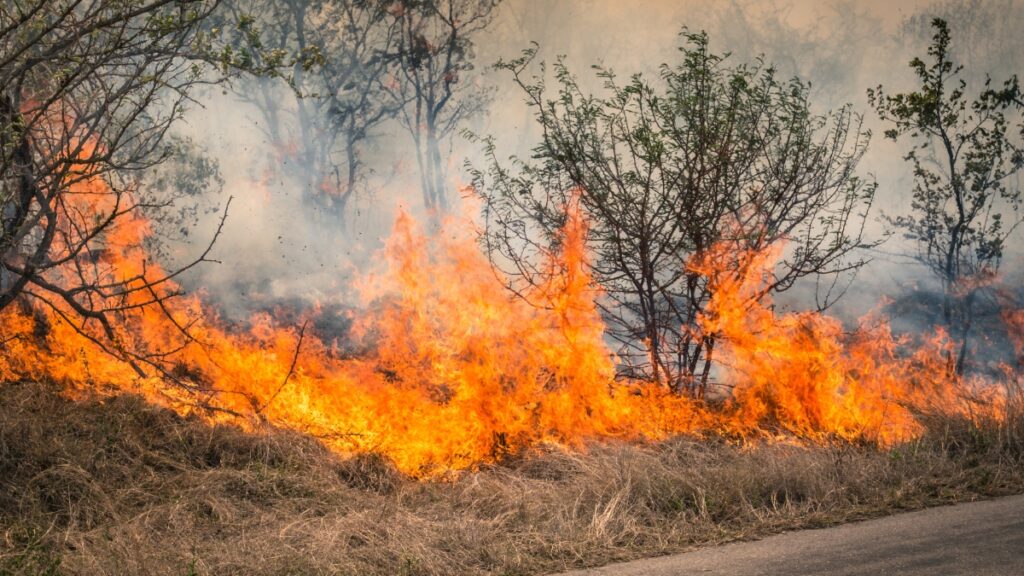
(965,153)
(334,57)
(88,92)
(435,58)
(665,170)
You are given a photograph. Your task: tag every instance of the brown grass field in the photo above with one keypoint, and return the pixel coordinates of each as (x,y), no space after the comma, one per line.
(116,486)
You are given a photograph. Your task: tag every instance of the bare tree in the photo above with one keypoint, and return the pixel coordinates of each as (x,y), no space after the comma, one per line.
(965,156)
(665,172)
(88,91)
(334,56)
(435,56)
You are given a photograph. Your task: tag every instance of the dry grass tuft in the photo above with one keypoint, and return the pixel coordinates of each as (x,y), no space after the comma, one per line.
(117,486)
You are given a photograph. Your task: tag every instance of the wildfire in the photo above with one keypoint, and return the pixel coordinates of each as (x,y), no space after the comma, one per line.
(804,373)
(459,372)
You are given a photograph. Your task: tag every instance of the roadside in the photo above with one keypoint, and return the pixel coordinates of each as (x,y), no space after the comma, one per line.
(974,539)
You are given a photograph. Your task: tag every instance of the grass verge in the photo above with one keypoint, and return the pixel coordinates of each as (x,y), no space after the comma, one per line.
(117,486)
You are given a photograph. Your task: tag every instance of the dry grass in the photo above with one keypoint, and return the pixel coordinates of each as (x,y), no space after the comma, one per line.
(115,486)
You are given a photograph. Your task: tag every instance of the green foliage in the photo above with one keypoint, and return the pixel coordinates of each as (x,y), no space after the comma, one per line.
(234,43)
(709,152)
(31,556)
(965,152)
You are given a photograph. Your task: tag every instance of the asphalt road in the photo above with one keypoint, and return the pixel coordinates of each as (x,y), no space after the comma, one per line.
(975,539)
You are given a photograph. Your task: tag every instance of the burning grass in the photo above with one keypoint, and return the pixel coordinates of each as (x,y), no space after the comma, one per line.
(454,372)
(475,432)
(114,485)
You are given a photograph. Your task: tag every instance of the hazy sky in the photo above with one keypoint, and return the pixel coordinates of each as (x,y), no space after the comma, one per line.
(842,47)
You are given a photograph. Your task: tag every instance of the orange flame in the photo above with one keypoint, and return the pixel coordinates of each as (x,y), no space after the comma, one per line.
(804,373)
(459,372)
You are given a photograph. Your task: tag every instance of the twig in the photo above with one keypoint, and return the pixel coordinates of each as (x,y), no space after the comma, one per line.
(291,369)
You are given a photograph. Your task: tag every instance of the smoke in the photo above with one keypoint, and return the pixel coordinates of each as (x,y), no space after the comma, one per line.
(277,247)
(842,48)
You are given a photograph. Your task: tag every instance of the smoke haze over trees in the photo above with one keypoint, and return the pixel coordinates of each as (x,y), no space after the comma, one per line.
(840,49)
(340,113)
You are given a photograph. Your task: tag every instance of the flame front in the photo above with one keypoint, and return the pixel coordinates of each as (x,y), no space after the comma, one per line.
(459,372)
(803,373)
